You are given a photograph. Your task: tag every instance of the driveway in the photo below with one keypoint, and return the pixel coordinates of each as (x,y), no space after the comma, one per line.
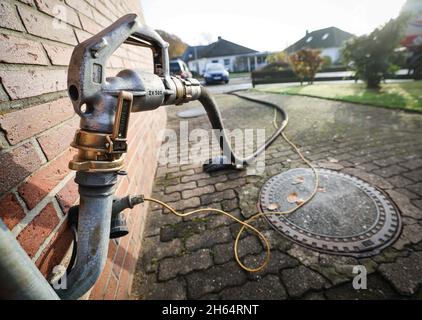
(234,84)
(192,258)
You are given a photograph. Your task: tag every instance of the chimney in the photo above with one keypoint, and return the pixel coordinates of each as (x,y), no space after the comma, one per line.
(219,38)
(307,32)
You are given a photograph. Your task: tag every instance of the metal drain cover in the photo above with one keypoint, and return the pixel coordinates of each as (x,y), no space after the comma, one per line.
(347,216)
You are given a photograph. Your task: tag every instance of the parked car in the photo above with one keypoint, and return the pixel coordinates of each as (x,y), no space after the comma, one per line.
(179,68)
(215,72)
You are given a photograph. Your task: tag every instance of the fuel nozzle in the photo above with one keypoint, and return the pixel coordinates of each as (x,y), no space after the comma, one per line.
(105,103)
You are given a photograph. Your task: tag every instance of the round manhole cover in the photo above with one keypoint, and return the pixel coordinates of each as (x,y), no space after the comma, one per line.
(347,216)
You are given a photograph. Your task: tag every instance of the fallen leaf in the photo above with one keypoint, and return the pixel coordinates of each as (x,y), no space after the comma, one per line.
(293,198)
(298,180)
(272,206)
(321,189)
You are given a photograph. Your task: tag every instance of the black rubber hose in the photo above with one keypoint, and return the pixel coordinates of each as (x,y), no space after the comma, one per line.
(214,115)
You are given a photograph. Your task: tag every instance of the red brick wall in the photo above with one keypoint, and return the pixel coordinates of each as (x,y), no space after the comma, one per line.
(37,124)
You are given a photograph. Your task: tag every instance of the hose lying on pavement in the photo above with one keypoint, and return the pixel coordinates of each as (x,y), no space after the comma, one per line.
(213,113)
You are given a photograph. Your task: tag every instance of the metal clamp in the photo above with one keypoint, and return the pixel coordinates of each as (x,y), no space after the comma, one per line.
(100,152)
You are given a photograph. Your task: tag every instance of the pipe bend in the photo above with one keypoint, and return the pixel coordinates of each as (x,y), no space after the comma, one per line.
(96,200)
(214,115)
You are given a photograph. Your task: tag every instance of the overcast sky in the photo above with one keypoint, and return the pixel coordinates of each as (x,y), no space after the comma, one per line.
(264,24)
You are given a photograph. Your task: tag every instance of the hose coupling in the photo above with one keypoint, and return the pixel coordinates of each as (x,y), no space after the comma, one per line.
(102,152)
(186,89)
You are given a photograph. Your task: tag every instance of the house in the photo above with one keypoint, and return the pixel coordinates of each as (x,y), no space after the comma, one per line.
(234,57)
(329,41)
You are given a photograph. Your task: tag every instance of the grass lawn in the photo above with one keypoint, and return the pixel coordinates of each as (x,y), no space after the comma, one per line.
(401,95)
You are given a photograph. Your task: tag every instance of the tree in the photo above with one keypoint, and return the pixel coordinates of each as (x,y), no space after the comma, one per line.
(279,57)
(305,63)
(176,45)
(372,56)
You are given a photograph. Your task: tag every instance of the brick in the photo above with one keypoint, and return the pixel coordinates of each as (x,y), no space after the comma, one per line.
(46,27)
(59,55)
(106,10)
(11,211)
(110,292)
(18,50)
(57,140)
(100,19)
(58,10)
(3,95)
(16,165)
(43,181)
(23,124)
(36,232)
(82,35)
(68,195)
(56,250)
(90,25)
(27,82)
(81,6)
(9,18)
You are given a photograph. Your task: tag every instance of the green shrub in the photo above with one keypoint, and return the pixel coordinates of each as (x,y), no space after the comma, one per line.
(372,56)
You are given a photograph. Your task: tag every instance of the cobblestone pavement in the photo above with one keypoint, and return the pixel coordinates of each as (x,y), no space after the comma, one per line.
(192,258)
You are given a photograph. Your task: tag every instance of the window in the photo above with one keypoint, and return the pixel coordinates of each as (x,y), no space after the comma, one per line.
(214,61)
(309,39)
(174,67)
(226,62)
(325,36)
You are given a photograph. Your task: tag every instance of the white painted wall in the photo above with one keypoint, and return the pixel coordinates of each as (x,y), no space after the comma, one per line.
(227,61)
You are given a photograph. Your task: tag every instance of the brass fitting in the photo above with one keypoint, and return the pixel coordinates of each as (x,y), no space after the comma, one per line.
(102,152)
(186,90)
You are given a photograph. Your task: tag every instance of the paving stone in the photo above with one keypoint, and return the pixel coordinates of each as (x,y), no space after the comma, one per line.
(369,177)
(405,274)
(214,279)
(180,187)
(415,175)
(248,199)
(170,290)
(416,188)
(182,229)
(305,256)
(404,204)
(277,262)
(412,164)
(277,241)
(212,180)
(223,253)
(268,288)
(208,238)
(206,199)
(377,289)
(154,250)
(330,166)
(300,280)
(186,194)
(417,203)
(314,296)
(169,268)
(400,181)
